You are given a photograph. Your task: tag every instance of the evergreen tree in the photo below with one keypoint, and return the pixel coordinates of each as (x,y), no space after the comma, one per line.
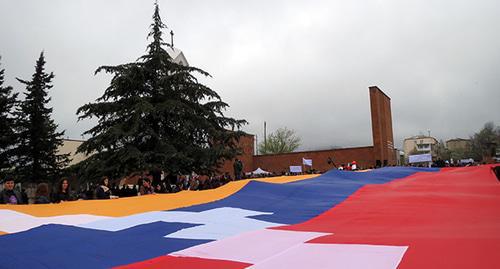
(442,152)
(485,142)
(156,115)
(38,140)
(8,100)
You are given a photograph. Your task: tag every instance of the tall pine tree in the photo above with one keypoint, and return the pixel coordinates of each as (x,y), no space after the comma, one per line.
(8,101)
(156,115)
(38,139)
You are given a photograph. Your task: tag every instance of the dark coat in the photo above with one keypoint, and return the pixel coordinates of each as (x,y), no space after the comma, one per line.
(101,194)
(5,197)
(62,196)
(42,200)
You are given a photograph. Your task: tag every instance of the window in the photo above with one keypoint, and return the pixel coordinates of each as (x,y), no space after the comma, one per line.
(424,147)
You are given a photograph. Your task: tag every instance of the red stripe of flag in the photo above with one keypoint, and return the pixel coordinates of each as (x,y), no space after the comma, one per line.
(185,263)
(449,219)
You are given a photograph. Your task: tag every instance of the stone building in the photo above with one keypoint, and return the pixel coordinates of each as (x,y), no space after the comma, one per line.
(457,144)
(419,144)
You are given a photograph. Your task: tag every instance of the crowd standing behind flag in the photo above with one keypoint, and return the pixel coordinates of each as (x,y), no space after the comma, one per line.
(148,183)
(11,192)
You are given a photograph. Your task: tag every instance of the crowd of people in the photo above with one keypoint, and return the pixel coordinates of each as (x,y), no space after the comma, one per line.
(152,183)
(149,184)
(352,166)
(43,195)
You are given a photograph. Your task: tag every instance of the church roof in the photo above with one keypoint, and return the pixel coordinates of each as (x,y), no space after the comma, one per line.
(177,55)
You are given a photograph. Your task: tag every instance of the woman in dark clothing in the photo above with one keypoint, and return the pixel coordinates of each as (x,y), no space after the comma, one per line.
(103,191)
(63,192)
(42,194)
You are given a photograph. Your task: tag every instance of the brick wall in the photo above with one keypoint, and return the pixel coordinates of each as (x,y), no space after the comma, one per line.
(281,162)
(381,115)
(246,143)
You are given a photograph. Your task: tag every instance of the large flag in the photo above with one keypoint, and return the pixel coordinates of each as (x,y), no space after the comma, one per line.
(384,218)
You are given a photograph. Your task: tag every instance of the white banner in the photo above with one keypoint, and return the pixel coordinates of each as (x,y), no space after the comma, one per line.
(308,162)
(467,161)
(295,169)
(420,158)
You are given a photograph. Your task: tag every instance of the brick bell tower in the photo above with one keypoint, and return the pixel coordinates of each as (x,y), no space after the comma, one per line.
(383,140)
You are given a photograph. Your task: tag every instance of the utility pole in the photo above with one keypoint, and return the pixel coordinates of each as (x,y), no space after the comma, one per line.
(265,135)
(256,145)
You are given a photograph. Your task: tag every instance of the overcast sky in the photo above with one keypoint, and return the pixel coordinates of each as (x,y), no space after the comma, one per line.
(305,65)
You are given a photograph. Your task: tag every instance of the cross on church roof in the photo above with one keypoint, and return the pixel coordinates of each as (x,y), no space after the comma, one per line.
(172,38)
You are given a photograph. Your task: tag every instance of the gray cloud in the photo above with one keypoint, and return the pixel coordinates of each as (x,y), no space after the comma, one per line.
(306,65)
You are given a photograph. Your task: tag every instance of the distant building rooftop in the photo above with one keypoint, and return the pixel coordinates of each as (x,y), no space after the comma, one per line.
(457,139)
(420,137)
